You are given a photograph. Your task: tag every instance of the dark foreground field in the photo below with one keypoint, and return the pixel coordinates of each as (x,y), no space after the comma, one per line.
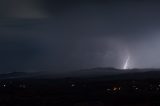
(113,90)
(79,92)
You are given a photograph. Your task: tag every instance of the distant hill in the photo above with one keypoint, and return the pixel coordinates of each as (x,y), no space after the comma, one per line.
(109,73)
(13,75)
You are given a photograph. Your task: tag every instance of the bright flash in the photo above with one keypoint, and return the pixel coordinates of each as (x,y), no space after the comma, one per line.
(126,64)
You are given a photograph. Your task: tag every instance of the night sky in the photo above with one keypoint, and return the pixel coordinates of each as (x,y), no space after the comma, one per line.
(48,35)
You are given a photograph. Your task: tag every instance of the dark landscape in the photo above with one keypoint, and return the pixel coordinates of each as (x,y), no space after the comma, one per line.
(119,89)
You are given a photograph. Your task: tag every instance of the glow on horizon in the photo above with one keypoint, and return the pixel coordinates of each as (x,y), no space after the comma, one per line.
(126,64)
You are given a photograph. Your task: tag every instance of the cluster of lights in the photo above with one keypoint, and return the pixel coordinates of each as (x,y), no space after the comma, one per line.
(8,85)
(135,87)
(114,89)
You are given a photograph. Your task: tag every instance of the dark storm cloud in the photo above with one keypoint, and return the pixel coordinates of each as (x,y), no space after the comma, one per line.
(16,55)
(47,34)
(46,47)
(22,9)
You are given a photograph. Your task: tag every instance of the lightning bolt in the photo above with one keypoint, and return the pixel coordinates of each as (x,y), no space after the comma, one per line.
(126,65)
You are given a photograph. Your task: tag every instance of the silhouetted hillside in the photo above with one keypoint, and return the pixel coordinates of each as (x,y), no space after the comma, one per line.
(108,73)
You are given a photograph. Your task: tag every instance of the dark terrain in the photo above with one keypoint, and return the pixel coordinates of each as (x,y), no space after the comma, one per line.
(130,88)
